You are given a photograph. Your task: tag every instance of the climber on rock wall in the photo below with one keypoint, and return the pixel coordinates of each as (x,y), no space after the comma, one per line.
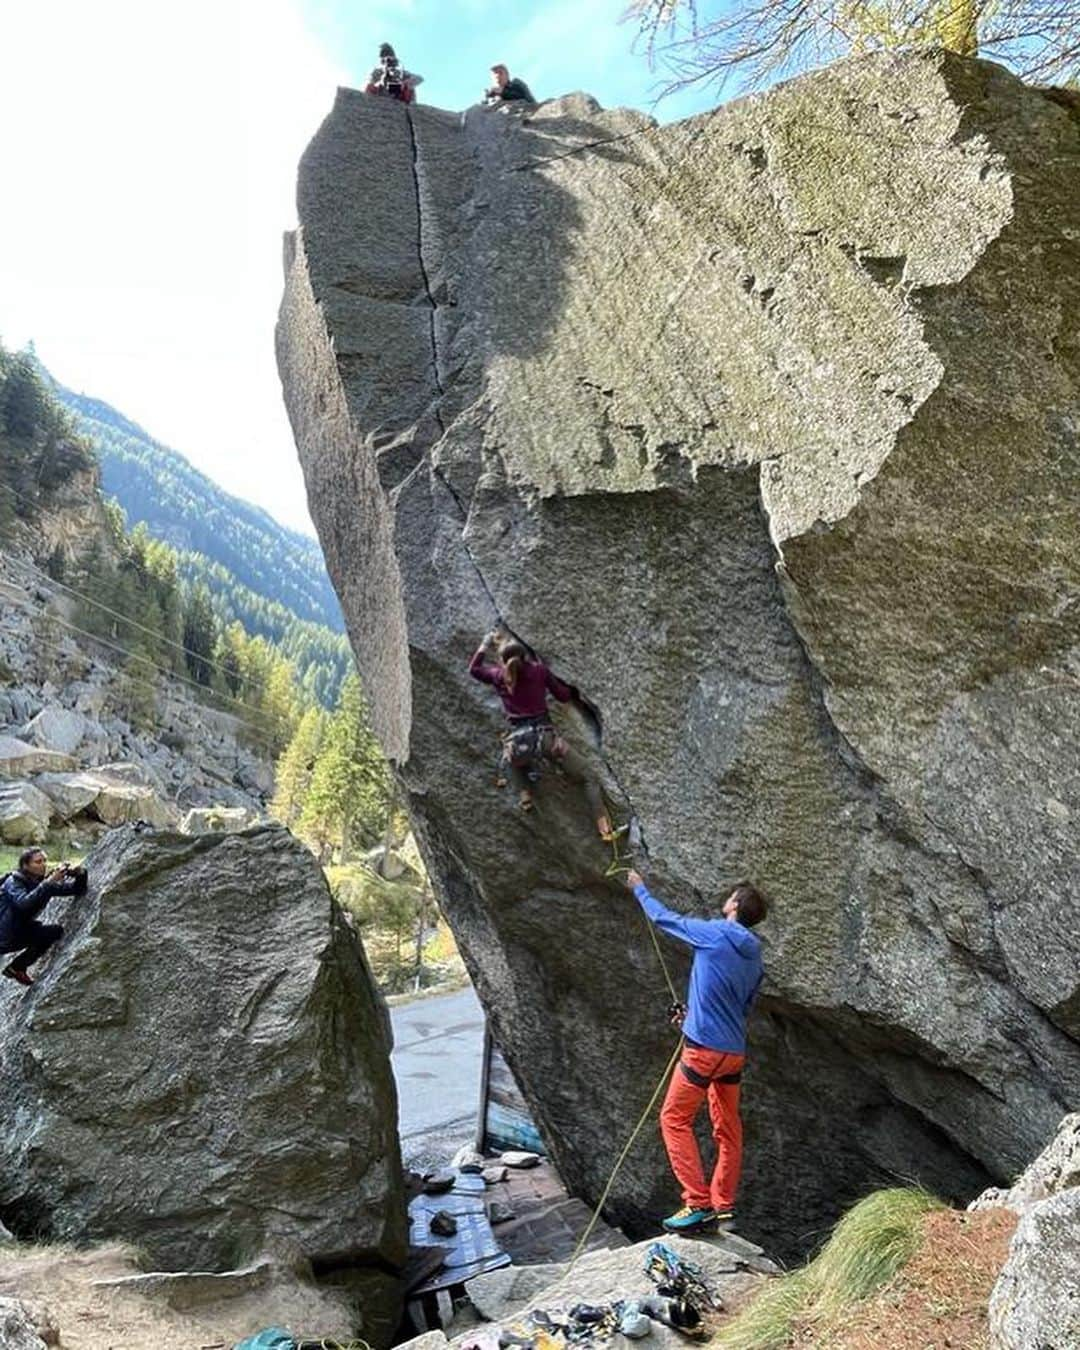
(390,80)
(523,683)
(724,979)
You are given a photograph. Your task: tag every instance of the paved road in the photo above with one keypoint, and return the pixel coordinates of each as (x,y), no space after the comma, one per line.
(438,1048)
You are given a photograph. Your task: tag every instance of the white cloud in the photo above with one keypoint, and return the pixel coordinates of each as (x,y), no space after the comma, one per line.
(150,159)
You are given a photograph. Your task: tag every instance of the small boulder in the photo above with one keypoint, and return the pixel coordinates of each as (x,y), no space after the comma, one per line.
(56,728)
(443,1223)
(70,793)
(118,803)
(217,820)
(228,1026)
(519,1158)
(19,760)
(25,813)
(467,1160)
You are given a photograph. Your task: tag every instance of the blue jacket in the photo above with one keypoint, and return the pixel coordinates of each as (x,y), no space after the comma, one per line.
(22,900)
(724,977)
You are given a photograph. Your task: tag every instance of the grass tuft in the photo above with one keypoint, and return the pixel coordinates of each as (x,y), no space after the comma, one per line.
(868,1246)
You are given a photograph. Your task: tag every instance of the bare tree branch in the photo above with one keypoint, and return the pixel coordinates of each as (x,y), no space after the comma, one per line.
(700,42)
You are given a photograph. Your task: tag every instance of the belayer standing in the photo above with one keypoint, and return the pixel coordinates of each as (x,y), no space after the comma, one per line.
(724,978)
(23,895)
(390,79)
(523,683)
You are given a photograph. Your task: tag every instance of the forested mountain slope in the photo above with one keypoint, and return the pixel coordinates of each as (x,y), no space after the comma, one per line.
(186,509)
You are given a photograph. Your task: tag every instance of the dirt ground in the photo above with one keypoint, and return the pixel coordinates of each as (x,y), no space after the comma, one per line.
(58,1285)
(939,1300)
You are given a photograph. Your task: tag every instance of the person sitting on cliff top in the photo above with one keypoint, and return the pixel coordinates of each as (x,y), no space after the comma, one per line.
(507,90)
(724,978)
(390,80)
(23,895)
(523,682)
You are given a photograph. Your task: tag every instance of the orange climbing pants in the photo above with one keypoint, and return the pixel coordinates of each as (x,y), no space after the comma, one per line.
(700,1073)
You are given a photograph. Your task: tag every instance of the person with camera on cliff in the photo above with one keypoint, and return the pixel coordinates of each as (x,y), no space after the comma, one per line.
(24,893)
(389,78)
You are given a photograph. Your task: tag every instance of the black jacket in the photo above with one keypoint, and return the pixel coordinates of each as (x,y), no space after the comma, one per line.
(22,900)
(514,90)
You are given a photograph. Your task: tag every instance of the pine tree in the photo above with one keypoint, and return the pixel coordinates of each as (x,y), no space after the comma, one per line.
(350,788)
(199,635)
(296,766)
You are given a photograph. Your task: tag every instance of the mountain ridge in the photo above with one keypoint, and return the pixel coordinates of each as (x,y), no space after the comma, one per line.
(183,506)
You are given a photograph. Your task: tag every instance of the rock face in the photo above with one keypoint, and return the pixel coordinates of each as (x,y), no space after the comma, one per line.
(1057,1168)
(1036,1302)
(763,429)
(203,1065)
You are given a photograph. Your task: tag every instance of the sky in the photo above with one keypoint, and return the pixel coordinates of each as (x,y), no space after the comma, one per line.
(149,168)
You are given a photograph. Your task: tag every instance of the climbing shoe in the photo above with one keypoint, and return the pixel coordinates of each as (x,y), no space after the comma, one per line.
(687,1218)
(14,973)
(724,1218)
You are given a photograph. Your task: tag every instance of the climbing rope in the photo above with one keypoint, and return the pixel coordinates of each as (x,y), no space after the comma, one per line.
(619,866)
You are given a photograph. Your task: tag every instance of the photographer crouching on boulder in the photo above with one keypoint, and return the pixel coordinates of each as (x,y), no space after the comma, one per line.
(23,895)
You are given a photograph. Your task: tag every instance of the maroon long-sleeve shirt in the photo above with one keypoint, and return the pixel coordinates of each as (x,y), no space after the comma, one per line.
(528,698)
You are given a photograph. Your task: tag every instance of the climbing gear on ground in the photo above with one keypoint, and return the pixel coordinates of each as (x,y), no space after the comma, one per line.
(674,1313)
(633,1323)
(687,1218)
(18,974)
(676,1277)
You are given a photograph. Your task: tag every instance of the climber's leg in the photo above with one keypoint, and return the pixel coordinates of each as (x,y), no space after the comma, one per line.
(575,768)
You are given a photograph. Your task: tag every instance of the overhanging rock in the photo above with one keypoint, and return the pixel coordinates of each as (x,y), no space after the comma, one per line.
(762,428)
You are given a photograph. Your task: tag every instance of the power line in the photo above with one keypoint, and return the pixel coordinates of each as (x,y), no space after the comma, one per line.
(259,732)
(159,637)
(258,736)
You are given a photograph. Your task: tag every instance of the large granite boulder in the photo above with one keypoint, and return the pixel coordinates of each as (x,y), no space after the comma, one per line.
(762,428)
(202,1067)
(25,813)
